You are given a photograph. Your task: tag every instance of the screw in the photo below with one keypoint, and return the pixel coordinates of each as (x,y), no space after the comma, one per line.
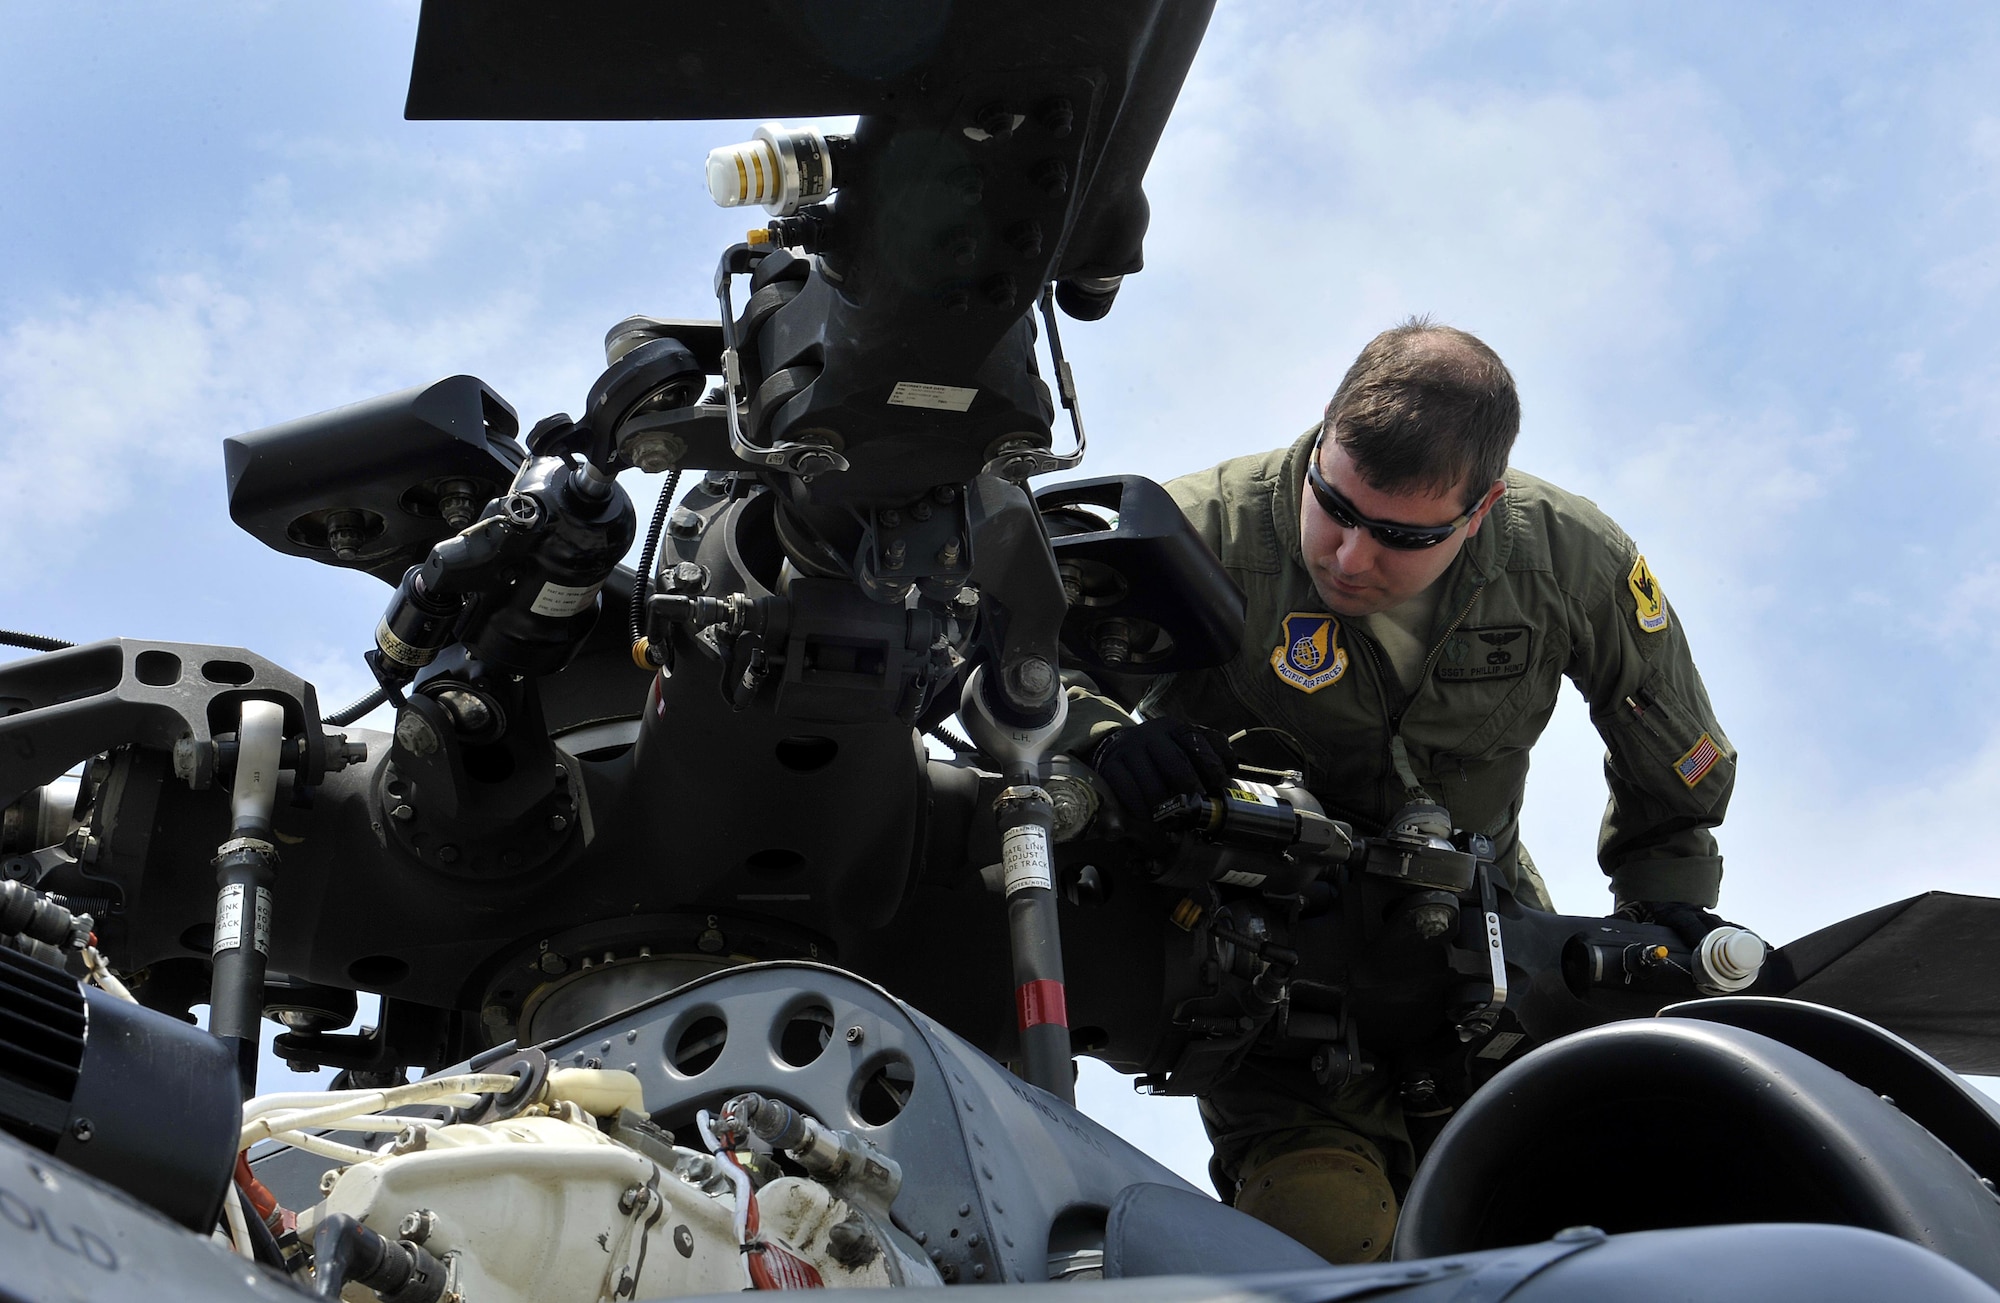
(416,1227)
(855,1036)
(82,1130)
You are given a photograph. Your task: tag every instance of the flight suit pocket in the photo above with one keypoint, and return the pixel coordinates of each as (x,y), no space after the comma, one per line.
(1660,746)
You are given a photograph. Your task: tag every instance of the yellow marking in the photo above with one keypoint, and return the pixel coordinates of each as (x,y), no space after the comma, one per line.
(742,180)
(757,161)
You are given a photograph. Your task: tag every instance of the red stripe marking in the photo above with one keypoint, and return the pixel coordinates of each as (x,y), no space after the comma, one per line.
(1039,1002)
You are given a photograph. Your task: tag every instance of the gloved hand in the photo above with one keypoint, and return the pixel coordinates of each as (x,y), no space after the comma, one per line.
(1690,922)
(1148,764)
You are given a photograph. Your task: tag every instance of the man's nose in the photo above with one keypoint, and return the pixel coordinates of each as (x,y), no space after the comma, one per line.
(1356,552)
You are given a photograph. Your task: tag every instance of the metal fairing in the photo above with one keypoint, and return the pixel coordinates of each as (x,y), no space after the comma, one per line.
(1668,1121)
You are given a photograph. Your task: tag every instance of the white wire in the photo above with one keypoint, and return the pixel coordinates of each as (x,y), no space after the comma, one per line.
(269,1114)
(239,1228)
(325,1148)
(101,973)
(739,1180)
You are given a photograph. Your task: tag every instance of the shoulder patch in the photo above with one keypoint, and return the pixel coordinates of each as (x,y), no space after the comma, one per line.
(1310,656)
(1475,655)
(1651,604)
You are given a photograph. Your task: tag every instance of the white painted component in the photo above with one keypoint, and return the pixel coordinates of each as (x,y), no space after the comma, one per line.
(799,1213)
(531,1207)
(600,1092)
(259,739)
(1730,959)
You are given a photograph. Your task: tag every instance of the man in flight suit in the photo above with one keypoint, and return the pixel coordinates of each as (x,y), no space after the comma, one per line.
(1413,607)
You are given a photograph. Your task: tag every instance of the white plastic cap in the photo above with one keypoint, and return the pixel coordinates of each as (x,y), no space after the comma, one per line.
(781,168)
(1730,959)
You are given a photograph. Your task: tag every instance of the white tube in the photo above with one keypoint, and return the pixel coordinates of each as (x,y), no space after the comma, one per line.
(268,1114)
(325,1148)
(1729,959)
(100,972)
(259,739)
(781,168)
(239,1226)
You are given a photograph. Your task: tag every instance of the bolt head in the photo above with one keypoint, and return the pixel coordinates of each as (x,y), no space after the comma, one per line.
(415,734)
(553,963)
(82,1130)
(855,1035)
(403,813)
(557,823)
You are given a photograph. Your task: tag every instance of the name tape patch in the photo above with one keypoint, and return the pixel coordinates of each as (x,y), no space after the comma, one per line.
(1475,655)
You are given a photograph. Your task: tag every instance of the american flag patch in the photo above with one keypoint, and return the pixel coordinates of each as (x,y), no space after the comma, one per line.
(1694,766)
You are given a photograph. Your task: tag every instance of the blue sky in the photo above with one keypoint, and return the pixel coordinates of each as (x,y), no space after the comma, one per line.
(1742,260)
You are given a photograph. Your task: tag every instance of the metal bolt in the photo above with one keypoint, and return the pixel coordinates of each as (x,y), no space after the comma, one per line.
(553,963)
(521,510)
(965,1210)
(1001,289)
(948,554)
(327,1179)
(654,453)
(955,300)
(456,503)
(855,1036)
(629,1198)
(960,245)
(1025,238)
(710,941)
(893,555)
(1052,176)
(403,813)
(557,823)
(344,533)
(1056,117)
(920,510)
(946,494)
(81,1131)
(494,1015)
(979,1271)
(448,854)
(1113,642)
(1033,677)
(996,120)
(683,523)
(416,1227)
(889,518)
(687,577)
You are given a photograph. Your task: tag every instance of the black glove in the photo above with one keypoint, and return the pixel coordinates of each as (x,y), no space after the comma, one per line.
(1146,765)
(1690,922)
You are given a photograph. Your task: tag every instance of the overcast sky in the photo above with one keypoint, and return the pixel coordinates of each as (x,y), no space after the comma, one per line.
(1741,259)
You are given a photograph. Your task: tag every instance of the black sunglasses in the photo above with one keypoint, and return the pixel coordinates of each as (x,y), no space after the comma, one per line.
(1402,538)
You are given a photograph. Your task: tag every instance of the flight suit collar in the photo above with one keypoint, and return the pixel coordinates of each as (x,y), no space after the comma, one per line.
(1480,561)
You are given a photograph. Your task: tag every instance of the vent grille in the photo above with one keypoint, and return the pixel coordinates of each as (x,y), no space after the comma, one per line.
(42,1028)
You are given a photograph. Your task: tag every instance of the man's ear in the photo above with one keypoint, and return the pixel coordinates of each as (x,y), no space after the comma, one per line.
(1493,493)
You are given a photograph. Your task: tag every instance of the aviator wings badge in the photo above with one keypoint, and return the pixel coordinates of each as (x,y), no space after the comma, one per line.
(1310,657)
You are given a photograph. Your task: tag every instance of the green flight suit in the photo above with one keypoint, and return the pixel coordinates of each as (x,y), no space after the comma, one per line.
(1549,588)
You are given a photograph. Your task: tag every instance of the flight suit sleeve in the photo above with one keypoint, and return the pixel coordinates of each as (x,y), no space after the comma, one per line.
(1668,765)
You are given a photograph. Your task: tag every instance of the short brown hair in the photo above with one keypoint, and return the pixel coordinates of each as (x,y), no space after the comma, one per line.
(1426,406)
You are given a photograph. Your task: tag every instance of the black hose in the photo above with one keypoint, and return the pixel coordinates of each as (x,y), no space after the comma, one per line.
(262,1243)
(32,641)
(642,582)
(349,714)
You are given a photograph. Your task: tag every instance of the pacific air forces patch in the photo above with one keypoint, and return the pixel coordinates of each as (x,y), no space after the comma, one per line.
(1651,604)
(1310,657)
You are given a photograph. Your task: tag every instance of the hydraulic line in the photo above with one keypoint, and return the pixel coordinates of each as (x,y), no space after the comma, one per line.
(245,867)
(642,581)
(33,641)
(348,714)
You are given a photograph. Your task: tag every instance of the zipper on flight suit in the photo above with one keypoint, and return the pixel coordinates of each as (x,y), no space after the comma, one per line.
(1394,718)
